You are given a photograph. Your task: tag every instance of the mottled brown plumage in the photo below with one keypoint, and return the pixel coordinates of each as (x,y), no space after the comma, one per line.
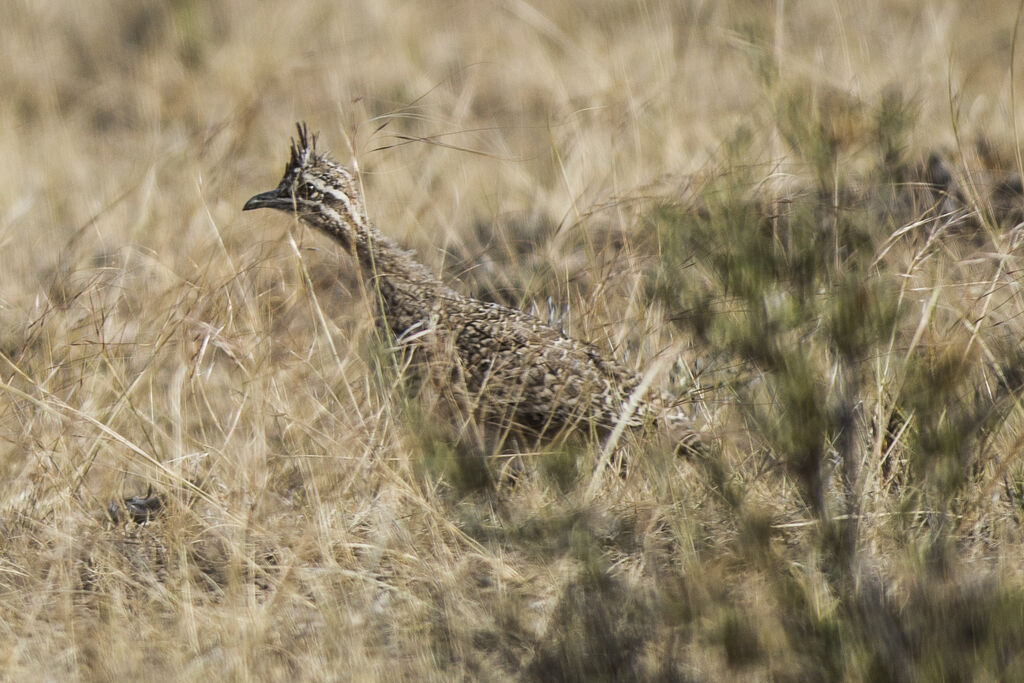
(505,366)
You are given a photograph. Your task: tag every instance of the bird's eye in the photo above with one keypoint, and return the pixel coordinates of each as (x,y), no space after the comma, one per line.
(306,191)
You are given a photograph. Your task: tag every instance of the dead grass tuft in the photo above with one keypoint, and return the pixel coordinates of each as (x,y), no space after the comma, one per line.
(816,209)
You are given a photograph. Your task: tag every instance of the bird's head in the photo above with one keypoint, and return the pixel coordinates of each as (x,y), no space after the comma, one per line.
(314,188)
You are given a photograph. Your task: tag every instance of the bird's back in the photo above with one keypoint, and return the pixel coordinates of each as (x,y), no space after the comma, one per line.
(528,375)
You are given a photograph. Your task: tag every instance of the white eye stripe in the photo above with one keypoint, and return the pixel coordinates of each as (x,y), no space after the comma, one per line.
(325,189)
(346,201)
(330,213)
(334,194)
(319,185)
(333,215)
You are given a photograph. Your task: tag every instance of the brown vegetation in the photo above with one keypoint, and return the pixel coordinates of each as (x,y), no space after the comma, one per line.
(806,217)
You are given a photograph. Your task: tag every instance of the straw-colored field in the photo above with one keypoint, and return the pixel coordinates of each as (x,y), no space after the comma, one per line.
(737,193)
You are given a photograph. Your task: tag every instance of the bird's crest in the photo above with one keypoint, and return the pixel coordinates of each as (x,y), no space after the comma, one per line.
(303,149)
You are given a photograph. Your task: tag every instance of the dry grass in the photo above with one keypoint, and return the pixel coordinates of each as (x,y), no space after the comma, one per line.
(860,513)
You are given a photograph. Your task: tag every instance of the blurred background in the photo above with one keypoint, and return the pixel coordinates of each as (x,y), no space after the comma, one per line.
(150,121)
(153,334)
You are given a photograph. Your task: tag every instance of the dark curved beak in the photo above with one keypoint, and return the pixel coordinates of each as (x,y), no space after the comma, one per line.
(267,200)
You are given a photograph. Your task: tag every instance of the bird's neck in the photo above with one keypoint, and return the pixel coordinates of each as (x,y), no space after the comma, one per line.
(379,257)
(405,291)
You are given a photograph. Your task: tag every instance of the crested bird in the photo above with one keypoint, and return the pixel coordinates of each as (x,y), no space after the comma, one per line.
(509,370)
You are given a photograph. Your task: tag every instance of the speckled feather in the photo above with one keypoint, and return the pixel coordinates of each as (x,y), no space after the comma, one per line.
(511,369)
